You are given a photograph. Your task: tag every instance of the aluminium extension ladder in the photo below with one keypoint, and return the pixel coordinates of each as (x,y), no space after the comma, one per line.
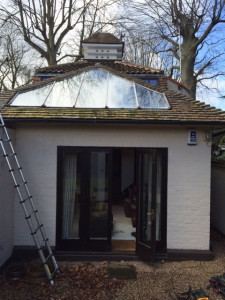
(25,199)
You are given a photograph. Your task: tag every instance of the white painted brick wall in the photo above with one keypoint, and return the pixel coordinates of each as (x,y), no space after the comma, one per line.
(6,210)
(218,197)
(188,219)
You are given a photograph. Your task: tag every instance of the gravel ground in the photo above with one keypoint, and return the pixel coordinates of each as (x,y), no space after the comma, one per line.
(167,280)
(89,281)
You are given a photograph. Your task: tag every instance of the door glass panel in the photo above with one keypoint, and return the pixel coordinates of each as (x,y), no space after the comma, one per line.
(146,198)
(99,195)
(71,195)
(158,196)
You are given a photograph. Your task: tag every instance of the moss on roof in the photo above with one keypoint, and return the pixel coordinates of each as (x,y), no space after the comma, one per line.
(182,109)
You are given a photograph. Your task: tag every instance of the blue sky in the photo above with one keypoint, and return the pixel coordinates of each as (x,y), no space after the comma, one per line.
(211,96)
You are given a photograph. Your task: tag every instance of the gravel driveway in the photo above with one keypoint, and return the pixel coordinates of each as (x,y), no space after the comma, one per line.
(89,281)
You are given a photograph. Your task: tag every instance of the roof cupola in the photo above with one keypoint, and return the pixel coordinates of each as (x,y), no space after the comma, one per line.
(102,46)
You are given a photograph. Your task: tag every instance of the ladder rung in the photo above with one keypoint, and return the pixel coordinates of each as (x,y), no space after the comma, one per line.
(5,140)
(9,154)
(24,200)
(30,215)
(20,184)
(18,169)
(43,244)
(6,155)
(47,258)
(38,228)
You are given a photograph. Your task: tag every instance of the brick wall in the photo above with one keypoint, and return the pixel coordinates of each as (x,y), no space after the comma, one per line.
(188,209)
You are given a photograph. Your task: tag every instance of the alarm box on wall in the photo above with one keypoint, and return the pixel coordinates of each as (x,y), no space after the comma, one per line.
(192,137)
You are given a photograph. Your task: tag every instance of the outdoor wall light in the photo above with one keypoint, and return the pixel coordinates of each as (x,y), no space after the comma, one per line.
(192,137)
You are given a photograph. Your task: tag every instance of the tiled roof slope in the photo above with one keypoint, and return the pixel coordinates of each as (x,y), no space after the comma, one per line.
(182,110)
(4,96)
(102,38)
(125,67)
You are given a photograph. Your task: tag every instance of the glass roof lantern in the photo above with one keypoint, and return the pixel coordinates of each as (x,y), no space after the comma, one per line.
(92,89)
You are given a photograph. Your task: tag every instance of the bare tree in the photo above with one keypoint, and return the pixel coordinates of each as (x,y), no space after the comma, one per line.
(15,61)
(184,30)
(98,15)
(45,24)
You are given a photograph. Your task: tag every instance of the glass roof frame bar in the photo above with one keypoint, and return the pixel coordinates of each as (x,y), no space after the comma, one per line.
(78,94)
(13,98)
(46,98)
(135,94)
(107,91)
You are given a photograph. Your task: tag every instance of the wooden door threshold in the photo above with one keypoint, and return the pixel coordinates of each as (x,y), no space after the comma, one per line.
(96,256)
(123,245)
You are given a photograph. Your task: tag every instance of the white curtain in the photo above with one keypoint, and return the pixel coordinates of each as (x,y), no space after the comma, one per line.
(69,192)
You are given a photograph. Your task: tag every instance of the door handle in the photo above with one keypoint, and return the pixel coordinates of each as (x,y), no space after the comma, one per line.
(152,214)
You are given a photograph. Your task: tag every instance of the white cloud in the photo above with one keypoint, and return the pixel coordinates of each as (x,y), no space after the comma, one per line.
(212,95)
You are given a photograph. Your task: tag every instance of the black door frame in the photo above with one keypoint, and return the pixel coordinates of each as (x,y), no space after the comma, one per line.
(73,244)
(84,243)
(149,251)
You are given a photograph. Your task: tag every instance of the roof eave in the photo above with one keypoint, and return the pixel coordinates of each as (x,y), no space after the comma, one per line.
(110,121)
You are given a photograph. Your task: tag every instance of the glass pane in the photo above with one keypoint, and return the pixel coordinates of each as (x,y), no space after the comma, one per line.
(99,195)
(64,92)
(93,90)
(151,81)
(146,198)
(158,196)
(71,196)
(35,97)
(120,93)
(150,99)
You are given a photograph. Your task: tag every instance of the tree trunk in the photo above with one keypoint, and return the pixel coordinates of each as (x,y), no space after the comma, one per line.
(52,60)
(52,57)
(188,56)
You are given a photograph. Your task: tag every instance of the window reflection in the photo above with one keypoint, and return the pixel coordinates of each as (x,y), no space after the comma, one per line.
(146,198)
(64,92)
(120,93)
(33,98)
(99,195)
(93,90)
(150,99)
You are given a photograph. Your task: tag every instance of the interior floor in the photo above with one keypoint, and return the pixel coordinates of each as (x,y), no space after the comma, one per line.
(122,225)
(123,234)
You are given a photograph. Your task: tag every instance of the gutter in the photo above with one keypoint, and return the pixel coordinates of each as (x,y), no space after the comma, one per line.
(118,121)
